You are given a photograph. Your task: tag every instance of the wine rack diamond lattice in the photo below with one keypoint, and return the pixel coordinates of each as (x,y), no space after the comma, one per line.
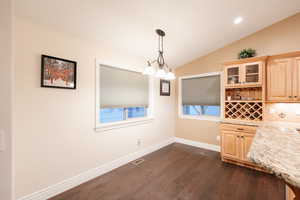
(252,111)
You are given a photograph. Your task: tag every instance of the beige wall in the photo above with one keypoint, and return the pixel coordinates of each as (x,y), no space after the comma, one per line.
(6,70)
(55,137)
(279,38)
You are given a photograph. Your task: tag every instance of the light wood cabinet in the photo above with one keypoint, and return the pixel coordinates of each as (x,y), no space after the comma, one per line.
(230,144)
(248,85)
(296,79)
(236,141)
(279,80)
(247,74)
(283,79)
(236,145)
(246,144)
(252,73)
(233,75)
(289,193)
(244,89)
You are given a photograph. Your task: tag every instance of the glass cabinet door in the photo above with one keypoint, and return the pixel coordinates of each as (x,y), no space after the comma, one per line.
(252,73)
(233,75)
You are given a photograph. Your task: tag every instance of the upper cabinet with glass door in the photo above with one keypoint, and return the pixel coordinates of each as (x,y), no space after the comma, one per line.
(244,74)
(233,75)
(252,73)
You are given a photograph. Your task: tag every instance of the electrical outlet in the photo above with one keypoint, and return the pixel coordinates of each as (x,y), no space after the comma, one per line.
(2,141)
(138,142)
(297,113)
(272,111)
(218,138)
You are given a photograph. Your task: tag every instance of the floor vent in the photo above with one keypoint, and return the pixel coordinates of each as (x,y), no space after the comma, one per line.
(138,162)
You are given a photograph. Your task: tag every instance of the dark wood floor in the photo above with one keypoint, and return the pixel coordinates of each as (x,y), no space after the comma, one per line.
(180,172)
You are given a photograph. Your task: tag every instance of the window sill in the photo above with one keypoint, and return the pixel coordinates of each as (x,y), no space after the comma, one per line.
(206,118)
(123,124)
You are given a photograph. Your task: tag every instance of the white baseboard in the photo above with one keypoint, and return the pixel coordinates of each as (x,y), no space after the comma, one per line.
(198,144)
(67,184)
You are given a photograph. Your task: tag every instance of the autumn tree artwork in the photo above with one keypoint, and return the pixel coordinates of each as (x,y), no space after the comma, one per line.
(58,73)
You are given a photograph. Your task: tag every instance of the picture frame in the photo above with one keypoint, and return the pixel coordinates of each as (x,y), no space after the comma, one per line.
(165,87)
(58,72)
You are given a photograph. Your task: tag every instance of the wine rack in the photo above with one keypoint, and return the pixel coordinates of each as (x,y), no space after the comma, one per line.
(251,111)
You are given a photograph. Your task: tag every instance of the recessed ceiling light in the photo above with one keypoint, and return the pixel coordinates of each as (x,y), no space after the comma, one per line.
(238,20)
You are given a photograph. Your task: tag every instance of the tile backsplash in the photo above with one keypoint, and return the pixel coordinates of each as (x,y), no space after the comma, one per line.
(289,112)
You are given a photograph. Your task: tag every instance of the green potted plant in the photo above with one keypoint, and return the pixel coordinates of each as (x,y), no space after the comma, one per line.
(247,53)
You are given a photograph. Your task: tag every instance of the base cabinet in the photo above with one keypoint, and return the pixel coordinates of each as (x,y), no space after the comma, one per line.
(289,193)
(236,141)
(246,141)
(230,144)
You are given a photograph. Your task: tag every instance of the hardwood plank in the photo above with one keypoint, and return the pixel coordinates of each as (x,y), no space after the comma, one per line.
(180,172)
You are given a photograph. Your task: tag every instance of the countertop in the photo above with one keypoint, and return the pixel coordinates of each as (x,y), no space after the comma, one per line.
(279,123)
(278,150)
(241,122)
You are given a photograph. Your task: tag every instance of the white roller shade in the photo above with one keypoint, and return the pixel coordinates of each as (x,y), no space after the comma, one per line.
(122,88)
(201,90)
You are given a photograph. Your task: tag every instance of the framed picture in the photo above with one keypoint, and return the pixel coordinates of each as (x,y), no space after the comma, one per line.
(58,73)
(165,88)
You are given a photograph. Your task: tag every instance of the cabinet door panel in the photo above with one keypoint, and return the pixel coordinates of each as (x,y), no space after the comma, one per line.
(252,73)
(246,144)
(232,75)
(296,79)
(230,144)
(279,80)
(289,193)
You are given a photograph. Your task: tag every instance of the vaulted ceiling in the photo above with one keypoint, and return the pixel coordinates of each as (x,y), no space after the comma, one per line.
(193,27)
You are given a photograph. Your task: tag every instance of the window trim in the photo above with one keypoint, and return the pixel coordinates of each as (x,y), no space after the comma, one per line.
(125,123)
(200,117)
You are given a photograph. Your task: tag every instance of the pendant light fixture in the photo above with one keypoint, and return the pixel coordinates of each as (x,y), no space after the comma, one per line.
(158,67)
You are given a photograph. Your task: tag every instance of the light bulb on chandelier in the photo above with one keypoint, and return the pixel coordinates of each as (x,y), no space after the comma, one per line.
(149,70)
(160,74)
(170,76)
(162,70)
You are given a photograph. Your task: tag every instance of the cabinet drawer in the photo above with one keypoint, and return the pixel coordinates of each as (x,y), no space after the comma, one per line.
(239,128)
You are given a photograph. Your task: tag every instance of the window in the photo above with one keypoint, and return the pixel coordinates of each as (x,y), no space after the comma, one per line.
(123,96)
(200,96)
(201,110)
(119,114)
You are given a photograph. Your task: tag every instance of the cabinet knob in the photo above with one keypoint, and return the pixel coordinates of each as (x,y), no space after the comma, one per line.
(295,96)
(240,129)
(290,97)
